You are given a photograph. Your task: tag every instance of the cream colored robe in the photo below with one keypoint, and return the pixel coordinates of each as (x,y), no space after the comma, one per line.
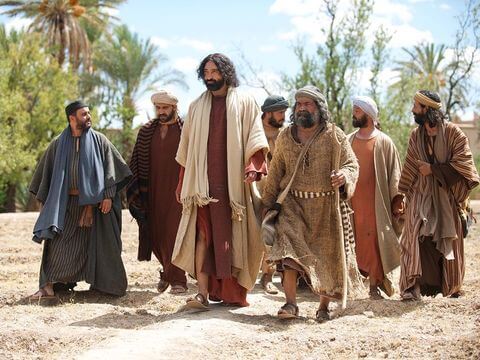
(387,170)
(245,137)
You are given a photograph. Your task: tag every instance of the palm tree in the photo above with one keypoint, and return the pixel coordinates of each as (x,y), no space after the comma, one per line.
(426,65)
(126,67)
(63,24)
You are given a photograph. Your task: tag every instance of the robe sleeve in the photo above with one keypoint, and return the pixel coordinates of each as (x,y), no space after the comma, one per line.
(445,174)
(348,166)
(257,164)
(410,169)
(40,184)
(276,173)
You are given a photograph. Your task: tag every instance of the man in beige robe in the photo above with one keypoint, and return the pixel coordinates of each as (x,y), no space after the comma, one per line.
(377,231)
(273,120)
(222,152)
(310,241)
(436,179)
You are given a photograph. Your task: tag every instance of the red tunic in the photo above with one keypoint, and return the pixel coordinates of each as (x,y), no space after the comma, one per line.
(215,219)
(164,211)
(363,204)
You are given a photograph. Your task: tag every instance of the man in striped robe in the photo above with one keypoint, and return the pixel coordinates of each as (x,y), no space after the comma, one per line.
(151,192)
(78,181)
(437,177)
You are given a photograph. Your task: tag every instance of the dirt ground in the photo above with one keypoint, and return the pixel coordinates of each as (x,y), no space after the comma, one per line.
(89,325)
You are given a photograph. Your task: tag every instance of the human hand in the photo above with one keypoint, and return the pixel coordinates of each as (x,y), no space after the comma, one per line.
(250,177)
(86,218)
(337,178)
(424,168)
(398,206)
(105,206)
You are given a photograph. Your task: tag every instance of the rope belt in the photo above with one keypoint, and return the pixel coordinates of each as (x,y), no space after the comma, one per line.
(311,194)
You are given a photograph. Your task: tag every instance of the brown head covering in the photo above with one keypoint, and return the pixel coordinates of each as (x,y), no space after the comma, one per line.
(164,97)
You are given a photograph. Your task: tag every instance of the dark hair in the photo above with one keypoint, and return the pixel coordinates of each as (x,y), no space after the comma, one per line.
(434,116)
(224,65)
(322,110)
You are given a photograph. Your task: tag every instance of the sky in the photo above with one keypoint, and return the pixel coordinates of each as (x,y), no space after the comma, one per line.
(264,31)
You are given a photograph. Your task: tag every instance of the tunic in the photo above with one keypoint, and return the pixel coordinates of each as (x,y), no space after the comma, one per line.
(363,204)
(164,211)
(308,228)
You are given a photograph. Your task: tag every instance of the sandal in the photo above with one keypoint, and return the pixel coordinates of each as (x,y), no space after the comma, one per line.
(42,295)
(375,293)
(322,315)
(178,289)
(267,285)
(197,302)
(162,286)
(410,296)
(288,311)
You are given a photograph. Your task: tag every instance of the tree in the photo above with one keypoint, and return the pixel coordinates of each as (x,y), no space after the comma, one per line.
(127,67)
(62,22)
(334,67)
(34,89)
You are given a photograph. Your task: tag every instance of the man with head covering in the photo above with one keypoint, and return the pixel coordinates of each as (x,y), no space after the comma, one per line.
(377,231)
(151,192)
(273,119)
(222,151)
(437,177)
(78,181)
(310,241)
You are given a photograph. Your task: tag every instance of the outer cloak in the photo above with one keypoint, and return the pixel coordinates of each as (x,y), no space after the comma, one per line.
(459,157)
(245,137)
(105,270)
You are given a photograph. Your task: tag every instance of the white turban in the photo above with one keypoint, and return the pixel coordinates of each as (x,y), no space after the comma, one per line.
(368,106)
(164,97)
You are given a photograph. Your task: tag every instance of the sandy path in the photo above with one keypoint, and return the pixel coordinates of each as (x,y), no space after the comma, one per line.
(90,325)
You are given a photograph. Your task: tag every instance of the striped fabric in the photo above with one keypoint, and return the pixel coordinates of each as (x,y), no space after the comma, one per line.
(311,194)
(137,188)
(460,158)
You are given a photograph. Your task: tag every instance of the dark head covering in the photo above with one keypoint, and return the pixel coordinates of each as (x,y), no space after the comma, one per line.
(72,108)
(274,103)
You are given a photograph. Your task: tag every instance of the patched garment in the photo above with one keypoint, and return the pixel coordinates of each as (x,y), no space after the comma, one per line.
(309,228)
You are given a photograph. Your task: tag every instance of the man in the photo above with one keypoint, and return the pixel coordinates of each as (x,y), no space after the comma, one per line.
(222,151)
(151,192)
(437,177)
(376,230)
(78,181)
(273,118)
(310,240)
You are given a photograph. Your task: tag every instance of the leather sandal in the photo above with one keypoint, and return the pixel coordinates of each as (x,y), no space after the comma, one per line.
(268,285)
(198,302)
(322,315)
(288,311)
(374,293)
(162,286)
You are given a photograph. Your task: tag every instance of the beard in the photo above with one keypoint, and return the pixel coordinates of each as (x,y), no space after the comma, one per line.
(165,117)
(304,119)
(274,123)
(83,125)
(420,118)
(214,85)
(359,123)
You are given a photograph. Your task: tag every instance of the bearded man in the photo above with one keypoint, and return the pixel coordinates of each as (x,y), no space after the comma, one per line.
(222,151)
(310,240)
(78,180)
(436,179)
(377,231)
(151,192)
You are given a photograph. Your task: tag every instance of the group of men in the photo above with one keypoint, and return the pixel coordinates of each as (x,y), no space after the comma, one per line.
(199,188)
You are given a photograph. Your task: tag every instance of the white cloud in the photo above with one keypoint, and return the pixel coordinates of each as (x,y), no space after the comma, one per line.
(185,64)
(307,17)
(196,44)
(267,48)
(445,7)
(17,24)
(160,42)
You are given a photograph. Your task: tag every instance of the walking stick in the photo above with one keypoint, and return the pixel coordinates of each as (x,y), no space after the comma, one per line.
(337,148)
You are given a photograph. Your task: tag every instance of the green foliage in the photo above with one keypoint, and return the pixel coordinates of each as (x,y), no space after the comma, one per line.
(333,68)
(126,67)
(34,90)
